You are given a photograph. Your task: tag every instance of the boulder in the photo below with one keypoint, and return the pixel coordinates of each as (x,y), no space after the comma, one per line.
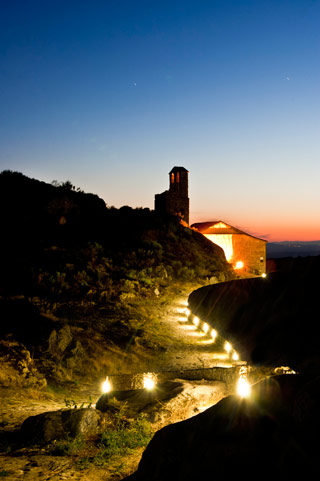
(49,426)
(59,341)
(170,402)
(140,398)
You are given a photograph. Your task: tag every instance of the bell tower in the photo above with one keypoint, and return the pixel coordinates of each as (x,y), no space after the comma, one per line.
(175,200)
(179,181)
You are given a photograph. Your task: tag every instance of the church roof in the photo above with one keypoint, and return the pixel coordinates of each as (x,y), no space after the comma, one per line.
(178,169)
(220,227)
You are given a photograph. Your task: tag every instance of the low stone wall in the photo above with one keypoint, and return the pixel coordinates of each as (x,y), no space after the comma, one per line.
(229,376)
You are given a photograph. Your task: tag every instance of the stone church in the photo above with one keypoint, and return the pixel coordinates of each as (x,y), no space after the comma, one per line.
(245,252)
(175,200)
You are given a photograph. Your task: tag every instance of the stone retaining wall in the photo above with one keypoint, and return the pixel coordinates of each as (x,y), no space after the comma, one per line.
(227,375)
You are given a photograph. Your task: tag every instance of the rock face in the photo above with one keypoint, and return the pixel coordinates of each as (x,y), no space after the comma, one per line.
(49,426)
(142,397)
(170,402)
(272,435)
(270,322)
(17,366)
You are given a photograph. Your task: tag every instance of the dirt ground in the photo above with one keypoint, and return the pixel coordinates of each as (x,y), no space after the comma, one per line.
(188,348)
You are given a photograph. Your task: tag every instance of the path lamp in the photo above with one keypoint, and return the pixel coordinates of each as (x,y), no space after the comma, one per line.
(148,383)
(213,334)
(196,321)
(106,386)
(205,328)
(235,356)
(227,347)
(243,387)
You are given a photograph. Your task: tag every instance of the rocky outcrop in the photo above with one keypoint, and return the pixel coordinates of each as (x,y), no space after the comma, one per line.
(271,435)
(169,402)
(17,366)
(54,425)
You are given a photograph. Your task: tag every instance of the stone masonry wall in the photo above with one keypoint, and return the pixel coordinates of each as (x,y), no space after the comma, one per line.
(251,251)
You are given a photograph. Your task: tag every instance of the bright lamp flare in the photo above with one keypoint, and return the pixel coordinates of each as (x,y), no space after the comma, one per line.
(214,334)
(264,275)
(227,347)
(239,265)
(196,321)
(148,383)
(235,356)
(243,387)
(106,386)
(187,311)
(205,328)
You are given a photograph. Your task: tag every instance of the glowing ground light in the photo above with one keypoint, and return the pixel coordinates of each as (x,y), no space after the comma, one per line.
(264,275)
(214,334)
(106,386)
(205,328)
(239,265)
(227,347)
(196,321)
(243,387)
(235,356)
(148,383)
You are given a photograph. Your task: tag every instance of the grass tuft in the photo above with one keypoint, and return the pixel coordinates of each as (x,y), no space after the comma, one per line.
(125,436)
(67,447)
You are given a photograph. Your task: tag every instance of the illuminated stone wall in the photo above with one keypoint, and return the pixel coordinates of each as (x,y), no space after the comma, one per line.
(251,251)
(244,252)
(224,241)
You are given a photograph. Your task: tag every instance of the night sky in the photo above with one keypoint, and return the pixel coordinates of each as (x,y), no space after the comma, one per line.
(112,94)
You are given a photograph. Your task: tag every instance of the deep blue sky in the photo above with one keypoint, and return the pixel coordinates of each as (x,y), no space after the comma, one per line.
(113,94)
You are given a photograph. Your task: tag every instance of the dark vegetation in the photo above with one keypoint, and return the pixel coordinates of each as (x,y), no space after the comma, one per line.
(77,278)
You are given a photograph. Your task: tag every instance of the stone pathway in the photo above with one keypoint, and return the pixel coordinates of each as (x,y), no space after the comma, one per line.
(188,348)
(191,347)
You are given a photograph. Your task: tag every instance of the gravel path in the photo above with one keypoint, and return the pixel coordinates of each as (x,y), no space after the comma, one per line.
(191,348)
(188,348)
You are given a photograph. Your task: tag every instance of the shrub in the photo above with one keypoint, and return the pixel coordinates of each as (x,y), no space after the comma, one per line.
(67,447)
(125,436)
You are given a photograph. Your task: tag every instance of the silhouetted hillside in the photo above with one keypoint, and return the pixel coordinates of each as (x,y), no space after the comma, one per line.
(56,231)
(38,210)
(85,272)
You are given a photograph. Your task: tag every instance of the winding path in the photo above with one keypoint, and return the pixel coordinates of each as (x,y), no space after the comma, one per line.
(190,347)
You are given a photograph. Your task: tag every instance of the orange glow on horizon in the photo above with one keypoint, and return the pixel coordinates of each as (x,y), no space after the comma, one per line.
(277,227)
(292,233)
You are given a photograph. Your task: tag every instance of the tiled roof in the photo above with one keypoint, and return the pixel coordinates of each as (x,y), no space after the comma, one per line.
(209,228)
(178,169)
